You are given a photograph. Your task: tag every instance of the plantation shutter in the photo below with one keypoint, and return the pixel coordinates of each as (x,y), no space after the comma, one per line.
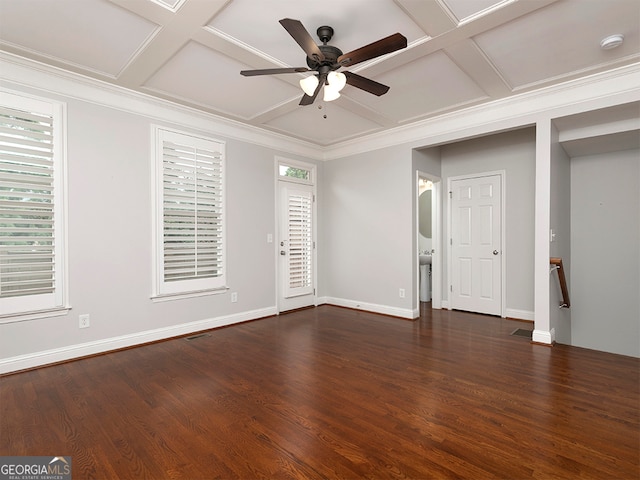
(27,243)
(192,187)
(300,241)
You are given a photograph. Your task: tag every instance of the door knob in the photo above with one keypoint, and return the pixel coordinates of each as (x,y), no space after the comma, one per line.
(495,252)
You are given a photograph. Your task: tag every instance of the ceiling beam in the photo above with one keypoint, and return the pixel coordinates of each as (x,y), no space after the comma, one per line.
(175,31)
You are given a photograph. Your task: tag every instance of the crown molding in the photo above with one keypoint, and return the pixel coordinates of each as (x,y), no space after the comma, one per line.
(22,72)
(618,86)
(592,92)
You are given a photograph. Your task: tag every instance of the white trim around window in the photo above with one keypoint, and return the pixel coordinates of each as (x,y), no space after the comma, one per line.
(33,255)
(189,215)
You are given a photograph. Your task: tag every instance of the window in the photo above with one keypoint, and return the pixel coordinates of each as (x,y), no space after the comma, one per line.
(32,276)
(299,238)
(190,247)
(294,172)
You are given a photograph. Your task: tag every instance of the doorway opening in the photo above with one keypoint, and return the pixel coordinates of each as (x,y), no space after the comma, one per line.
(428,241)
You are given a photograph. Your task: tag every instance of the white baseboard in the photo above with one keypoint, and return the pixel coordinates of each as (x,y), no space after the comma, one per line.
(520,314)
(372,307)
(37,359)
(542,336)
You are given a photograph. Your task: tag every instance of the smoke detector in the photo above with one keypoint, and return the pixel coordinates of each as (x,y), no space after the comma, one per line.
(612,41)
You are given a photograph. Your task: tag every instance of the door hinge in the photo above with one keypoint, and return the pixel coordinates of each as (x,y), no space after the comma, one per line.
(451,288)
(314,245)
(313,198)
(450,194)
(451,241)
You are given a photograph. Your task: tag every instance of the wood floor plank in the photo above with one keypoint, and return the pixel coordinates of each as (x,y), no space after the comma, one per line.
(335,393)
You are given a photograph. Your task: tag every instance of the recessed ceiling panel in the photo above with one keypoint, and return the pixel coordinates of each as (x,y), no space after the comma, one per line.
(191,52)
(467,8)
(94,34)
(205,77)
(355,22)
(322,122)
(425,86)
(538,46)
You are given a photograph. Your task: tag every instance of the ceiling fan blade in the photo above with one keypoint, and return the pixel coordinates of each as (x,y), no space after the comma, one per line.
(366,84)
(308,100)
(301,35)
(273,71)
(386,45)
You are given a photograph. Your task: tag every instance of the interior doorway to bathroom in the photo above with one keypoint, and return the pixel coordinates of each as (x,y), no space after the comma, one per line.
(429,257)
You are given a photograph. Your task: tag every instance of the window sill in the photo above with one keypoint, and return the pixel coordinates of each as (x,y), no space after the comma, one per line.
(169,297)
(34,315)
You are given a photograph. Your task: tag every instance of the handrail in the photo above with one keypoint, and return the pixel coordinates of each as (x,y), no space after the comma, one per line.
(557,262)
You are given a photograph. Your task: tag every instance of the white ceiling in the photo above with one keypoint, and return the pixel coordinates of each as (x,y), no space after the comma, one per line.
(460,53)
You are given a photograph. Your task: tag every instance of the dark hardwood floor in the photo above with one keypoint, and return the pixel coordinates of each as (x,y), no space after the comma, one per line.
(335,393)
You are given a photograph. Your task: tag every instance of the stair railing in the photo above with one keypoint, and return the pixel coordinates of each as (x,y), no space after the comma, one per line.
(557,265)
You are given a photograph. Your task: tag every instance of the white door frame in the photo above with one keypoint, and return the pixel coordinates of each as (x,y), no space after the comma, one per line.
(280,307)
(436,240)
(503,237)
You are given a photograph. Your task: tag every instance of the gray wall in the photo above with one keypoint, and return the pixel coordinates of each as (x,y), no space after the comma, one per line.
(513,152)
(605,252)
(109,236)
(368,234)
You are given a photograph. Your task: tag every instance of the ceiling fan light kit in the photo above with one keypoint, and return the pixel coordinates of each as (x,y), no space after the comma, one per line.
(326,59)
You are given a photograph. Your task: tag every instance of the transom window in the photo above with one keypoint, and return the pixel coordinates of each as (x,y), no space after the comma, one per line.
(294,172)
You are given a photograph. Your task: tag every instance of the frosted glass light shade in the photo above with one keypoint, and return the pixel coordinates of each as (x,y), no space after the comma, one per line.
(309,85)
(330,93)
(337,80)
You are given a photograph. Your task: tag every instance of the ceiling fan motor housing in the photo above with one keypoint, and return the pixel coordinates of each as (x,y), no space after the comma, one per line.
(325,33)
(331,55)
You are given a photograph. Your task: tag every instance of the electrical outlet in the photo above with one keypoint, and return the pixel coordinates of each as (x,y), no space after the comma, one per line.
(401,293)
(83,321)
(234,297)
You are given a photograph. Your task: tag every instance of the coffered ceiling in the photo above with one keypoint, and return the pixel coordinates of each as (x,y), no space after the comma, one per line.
(460,53)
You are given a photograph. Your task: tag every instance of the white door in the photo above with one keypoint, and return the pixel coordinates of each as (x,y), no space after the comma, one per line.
(296,246)
(476,250)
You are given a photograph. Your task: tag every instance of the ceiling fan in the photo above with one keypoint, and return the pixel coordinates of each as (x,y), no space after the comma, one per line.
(326,59)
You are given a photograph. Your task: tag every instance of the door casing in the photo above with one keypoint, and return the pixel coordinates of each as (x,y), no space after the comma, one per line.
(283,302)
(437,258)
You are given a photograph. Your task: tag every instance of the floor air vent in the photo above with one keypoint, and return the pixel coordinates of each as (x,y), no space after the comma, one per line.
(521,332)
